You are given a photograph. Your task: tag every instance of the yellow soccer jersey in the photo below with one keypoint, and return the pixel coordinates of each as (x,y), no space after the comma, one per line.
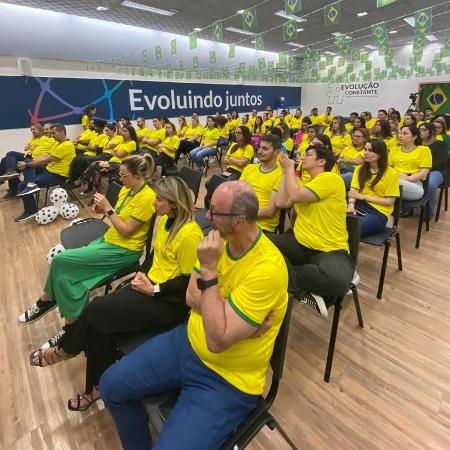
(209,136)
(410,162)
(350,153)
(154,133)
(196,131)
(240,153)
(339,142)
(321,225)
(117,139)
(316,120)
(141,133)
(171,141)
(65,153)
(296,122)
(264,183)
(139,207)
(179,256)
(253,285)
(129,147)
(388,186)
(86,135)
(41,145)
(224,131)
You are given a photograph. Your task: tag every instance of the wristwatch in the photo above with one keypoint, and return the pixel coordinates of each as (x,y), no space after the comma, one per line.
(110,212)
(205,284)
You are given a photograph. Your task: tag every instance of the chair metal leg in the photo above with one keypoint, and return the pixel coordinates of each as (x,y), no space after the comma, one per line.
(46,197)
(331,345)
(427,223)
(438,209)
(285,436)
(419,229)
(446,198)
(387,246)
(357,306)
(74,197)
(399,251)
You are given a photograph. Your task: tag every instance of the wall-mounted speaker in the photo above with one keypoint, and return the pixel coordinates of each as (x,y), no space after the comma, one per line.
(24,66)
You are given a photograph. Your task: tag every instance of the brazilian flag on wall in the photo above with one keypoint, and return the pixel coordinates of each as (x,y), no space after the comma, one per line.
(435,96)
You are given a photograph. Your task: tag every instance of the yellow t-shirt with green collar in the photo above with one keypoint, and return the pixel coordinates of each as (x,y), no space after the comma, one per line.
(144,133)
(181,131)
(85,121)
(209,136)
(155,133)
(266,126)
(179,256)
(224,131)
(86,135)
(388,186)
(303,145)
(339,142)
(315,120)
(117,139)
(264,183)
(321,225)
(348,127)
(190,132)
(100,140)
(371,123)
(296,122)
(410,162)
(240,153)
(65,153)
(350,153)
(128,146)
(41,145)
(326,119)
(253,285)
(390,143)
(139,207)
(251,120)
(171,141)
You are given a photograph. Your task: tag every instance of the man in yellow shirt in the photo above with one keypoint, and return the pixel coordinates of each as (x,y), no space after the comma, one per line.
(238,295)
(326,118)
(265,178)
(317,251)
(154,137)
(82,142)
(315,118)
(50,169)
(141,132)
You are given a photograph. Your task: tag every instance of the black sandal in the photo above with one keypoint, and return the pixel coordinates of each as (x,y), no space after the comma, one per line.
(42,359)
(79,398)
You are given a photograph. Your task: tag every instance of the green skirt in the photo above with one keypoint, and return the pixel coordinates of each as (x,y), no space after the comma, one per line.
(73,273)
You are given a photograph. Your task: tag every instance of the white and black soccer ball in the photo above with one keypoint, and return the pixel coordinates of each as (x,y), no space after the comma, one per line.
(69,211)
(58,248)
(58,197)
(47,215)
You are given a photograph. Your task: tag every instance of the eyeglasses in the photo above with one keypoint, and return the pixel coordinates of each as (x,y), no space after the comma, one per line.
(222,214)
(124,175)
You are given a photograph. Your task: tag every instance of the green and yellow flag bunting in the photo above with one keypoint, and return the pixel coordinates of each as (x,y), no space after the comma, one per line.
(381,3)
(289,30)
(193,40)
(316,55)
(356,55)
(379,35)
(435,96)
(261,63)
(292,6)
(249,22)
(212,57)
(158,52)
(195,62)
(419,44)
(282,58)
(329,60)
(322,64)
(342,44)
(144,56)
(422,21)
(341,62)
(308,52)
(332,14)
(217,30)
(259,41)
(242,68)
(173,47)
(231,51)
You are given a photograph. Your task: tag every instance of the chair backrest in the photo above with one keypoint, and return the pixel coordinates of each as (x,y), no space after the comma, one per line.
(282,221)
(354,236)
(200,218)
(426,185)
(149,241)
(192,178)
(112,194)
(397,208)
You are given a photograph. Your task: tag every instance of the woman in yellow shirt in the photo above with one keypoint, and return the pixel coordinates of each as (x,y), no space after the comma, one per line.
(192,137)
(88,114)
(374,188)
(167,150)
(339,137)
(240,154)
(207,145)
(412,161)
(182,126)
(382,130)
(153,301)
(74,272)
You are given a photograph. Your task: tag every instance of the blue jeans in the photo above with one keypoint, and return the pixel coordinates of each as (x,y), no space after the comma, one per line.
(206,413)
(435,180)
(373,221)
(347,177)
(9,162)
(44,178)
(199,153)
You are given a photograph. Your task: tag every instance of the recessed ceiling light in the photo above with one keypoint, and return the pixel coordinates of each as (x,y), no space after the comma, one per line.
(240,31)
(151,9)
(371,47)
(361,14)
(197,29)
(240,11)
(337,34)
(294,44)
(282,13)
(253,42)
(431,37)
(331,53)
(102,8)
(410,20)
(299,29)
(393,31)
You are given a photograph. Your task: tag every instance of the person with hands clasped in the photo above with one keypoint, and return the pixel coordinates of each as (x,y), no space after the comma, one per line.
(74,272)
(238,295)
(154,300)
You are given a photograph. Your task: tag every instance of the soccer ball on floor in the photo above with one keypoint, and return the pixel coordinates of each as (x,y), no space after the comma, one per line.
(69,211)
(58,197)
(47,215)
(58,248)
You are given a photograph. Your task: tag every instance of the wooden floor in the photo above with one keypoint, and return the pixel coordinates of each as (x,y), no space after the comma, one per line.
(390,385)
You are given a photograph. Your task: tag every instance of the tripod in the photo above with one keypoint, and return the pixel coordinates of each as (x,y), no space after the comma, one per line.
(413,106)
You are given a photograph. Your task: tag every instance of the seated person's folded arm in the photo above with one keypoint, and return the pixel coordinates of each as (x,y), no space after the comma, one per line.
(271,208)
(37,162)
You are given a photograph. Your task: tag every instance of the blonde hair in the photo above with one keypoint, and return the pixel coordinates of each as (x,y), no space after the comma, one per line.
(176,191)
(138,165)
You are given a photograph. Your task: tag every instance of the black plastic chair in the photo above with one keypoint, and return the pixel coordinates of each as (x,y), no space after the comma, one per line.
(200,218)
(385,238)
(422,203)
(158,407)
(354,234)
(443,190)
(193,179)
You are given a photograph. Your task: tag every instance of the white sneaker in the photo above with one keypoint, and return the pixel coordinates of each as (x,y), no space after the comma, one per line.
(355,281)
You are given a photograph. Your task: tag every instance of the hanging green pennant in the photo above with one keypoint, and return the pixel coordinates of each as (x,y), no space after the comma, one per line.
(144,56)
(364,57)
(261,63)
(332,14)
(259,41)
(368,65)
(271,66)
(158,52)
(241,68)
(388,62)
(249,22)
(419,44)
(282,58)
(291,62)
(308,52)
(379,34)
(217,30)
(341,62)
(292,6)
(193,40)
(329,60)
(422,21)
(356,55)
(316,55)
(173,47)
(231,51)
(226,72)
(212,57)
(341,42)
(289,30)
(381,3)
(195,62)
(322,65)
(307,65)
(349,68)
